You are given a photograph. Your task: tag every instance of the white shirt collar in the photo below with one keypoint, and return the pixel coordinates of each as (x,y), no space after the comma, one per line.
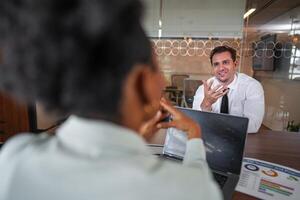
(97,136)
(232,85)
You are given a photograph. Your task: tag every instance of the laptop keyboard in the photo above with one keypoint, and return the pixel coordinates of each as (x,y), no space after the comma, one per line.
(221,179)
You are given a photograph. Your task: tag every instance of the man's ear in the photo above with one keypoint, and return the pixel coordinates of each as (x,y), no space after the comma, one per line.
(236,62)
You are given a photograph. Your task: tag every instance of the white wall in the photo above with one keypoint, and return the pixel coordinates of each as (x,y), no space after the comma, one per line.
(282,102)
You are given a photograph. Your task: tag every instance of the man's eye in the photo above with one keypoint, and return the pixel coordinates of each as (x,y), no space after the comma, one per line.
(226,62)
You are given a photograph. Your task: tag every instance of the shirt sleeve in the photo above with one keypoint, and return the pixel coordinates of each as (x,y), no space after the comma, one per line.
(254,106)
(198,98)
(193,171)
(195,155)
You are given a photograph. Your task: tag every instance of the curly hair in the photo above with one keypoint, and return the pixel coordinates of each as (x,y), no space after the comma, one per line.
(71,55)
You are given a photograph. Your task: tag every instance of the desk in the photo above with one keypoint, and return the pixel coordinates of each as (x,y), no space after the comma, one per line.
(277,147)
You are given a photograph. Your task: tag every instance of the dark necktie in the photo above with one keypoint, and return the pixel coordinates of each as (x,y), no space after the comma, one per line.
(224,104)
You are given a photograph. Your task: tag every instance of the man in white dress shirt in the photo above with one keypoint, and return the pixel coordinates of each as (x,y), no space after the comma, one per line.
(229,91)
(92,60)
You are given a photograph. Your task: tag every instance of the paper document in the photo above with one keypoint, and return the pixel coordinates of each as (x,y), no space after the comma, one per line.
(267,180)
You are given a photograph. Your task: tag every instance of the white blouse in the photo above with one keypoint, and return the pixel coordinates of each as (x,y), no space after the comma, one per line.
(90,160)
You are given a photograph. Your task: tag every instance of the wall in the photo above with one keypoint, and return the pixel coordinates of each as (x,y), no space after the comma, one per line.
(282,95)
(282,102)
(13,117)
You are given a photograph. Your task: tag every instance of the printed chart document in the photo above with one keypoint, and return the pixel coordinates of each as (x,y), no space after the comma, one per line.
(267,180)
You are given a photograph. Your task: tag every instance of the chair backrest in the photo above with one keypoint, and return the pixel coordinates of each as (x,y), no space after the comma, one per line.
(189,90)
(178,79)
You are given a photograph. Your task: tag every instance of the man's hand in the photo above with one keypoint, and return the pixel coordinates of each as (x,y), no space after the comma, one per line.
(212,94)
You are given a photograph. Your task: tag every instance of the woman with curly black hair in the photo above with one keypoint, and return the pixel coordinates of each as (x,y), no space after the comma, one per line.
(92,60)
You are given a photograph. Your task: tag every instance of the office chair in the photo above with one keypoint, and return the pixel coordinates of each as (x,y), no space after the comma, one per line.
(176,88)
(189,90)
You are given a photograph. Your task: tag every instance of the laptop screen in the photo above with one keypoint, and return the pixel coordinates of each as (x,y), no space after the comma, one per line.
(224,138)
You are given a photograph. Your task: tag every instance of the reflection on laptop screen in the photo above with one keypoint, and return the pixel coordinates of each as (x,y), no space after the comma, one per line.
(224,138)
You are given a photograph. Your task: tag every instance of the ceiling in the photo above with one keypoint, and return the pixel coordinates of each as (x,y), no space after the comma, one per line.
(218,18)
(194,18)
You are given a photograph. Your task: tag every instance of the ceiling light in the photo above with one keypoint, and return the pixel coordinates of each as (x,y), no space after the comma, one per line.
(159,23)
(159,33)
(249,12)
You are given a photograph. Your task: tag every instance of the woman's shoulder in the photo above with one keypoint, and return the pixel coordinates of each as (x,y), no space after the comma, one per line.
(20,142)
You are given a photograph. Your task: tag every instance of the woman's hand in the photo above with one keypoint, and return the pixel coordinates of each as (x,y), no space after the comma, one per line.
(180,121)
(149,128)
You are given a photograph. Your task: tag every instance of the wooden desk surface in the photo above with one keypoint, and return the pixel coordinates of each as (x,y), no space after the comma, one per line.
(278,147)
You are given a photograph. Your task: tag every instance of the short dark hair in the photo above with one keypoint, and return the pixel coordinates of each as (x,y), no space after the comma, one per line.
(71,55)
(221,49)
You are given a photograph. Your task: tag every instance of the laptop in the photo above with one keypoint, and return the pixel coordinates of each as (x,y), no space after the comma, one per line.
(224,138)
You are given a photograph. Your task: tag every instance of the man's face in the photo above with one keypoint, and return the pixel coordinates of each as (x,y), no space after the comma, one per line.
(224,67)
